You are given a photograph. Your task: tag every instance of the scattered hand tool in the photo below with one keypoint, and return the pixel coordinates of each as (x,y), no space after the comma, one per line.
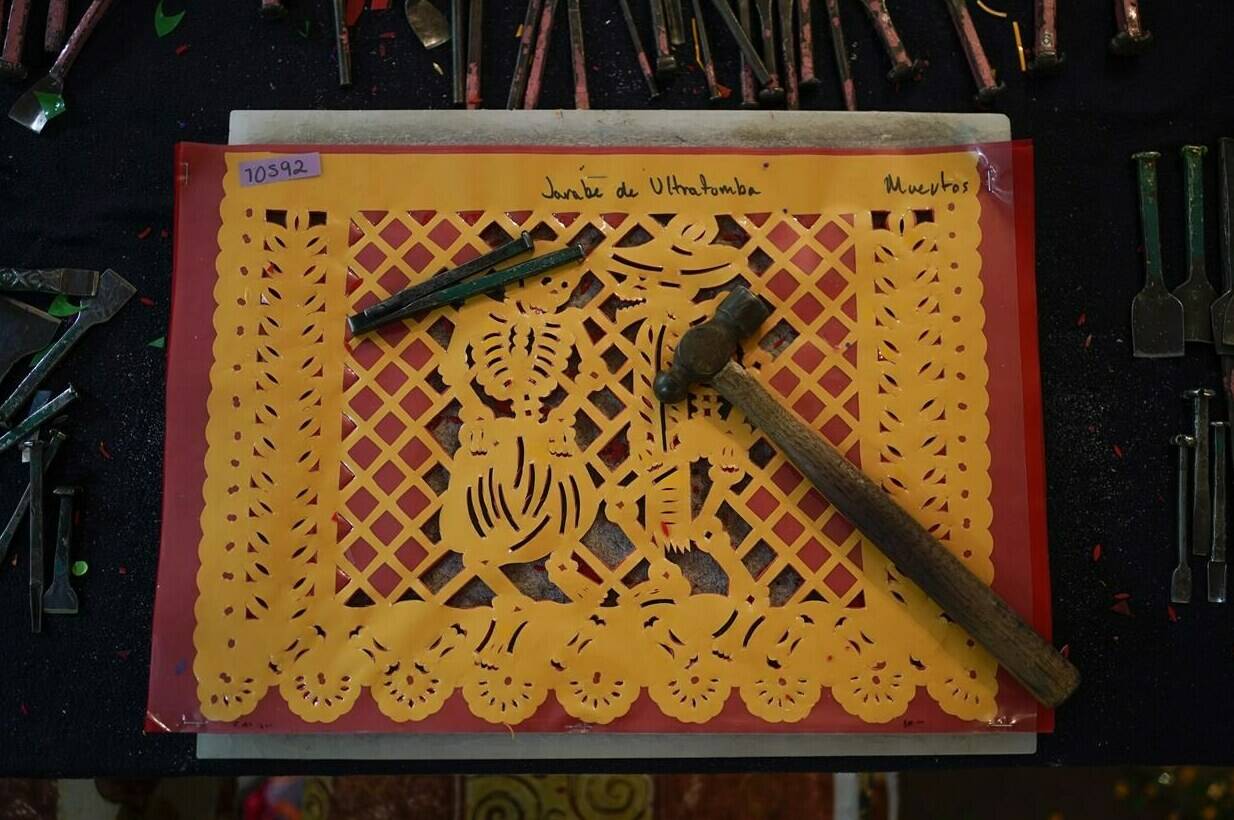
(475,52)
(749,98)
(676,22)
(902,66)
(114,292)
(32,452)
(1216,557)
(843,68)
(1046,56)
(705,354)
(54,439)
(644,65)
(787,46)
(772,92)
(805,32)
(375,316)
(1156,315)
(273,9)
(57,23)
(1223,306)
(578,57)
(23,330)
(26,427)
(15,41)
(1132,38)
(1180,581)
(457,54)
(66,281)
(60,598)
(429,25)
(522,63)
(444,294)
(29,110)
(666,63)
(540,58)
(983,74)
(33,455)
(704,50)
(1196,292)
(342,43)
(748,51)
(1201,499)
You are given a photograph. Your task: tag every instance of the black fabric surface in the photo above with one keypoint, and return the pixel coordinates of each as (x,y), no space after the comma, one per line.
(95,190)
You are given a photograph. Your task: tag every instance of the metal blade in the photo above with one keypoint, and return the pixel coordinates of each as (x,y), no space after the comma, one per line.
(29,109)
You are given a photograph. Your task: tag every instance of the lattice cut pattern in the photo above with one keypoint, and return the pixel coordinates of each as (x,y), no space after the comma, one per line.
(488,498)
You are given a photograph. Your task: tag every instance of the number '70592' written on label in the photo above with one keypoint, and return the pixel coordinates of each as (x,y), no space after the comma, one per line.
(279,169)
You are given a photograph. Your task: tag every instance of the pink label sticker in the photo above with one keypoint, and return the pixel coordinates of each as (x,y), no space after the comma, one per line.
(279,169)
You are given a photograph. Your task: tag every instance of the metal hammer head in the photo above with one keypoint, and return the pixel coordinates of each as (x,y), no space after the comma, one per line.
(706,348)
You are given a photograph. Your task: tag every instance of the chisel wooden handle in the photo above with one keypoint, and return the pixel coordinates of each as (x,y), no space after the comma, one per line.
(918,555)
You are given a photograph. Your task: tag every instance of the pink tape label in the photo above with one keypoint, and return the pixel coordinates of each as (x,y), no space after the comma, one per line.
(279,169)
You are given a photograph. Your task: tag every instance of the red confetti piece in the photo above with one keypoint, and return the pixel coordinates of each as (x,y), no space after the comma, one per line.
(145,232)
(25,710)
(146,300)
(1169,610)
(1097,553)
(1065,651)
(1122,596)
(1118,451)
(123,570)
(1088,341)
(123,654)
(1081,319)
(1122,609)
(181,50)
(103,451)
(381,49)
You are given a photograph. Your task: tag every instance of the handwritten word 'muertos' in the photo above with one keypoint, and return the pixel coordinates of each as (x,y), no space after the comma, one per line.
(895,185)
(670,185)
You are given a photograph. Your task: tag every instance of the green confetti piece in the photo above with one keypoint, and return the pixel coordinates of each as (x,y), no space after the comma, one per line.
(61,307)
(52,104)
(305,29)
(164,24)
(160,342)
(80,568)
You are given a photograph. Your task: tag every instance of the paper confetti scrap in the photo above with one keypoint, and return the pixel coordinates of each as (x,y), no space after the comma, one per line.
(165,24)
(123,654)
(146,300)
(160,342)
(61,307)
(1097,553)
(80,568)
(52,104)
(103,451)
(305,29)
(145,232)
(1118,451)
(1173,616)
(181,50)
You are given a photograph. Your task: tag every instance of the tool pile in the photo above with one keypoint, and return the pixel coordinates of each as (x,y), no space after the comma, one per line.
(775,74)
(1162,322)
(44,100)
(27,330)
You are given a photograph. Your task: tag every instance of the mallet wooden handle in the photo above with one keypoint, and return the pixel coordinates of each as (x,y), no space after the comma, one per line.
(918,555)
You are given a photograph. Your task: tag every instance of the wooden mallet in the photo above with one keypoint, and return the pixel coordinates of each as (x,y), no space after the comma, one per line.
(705,354)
